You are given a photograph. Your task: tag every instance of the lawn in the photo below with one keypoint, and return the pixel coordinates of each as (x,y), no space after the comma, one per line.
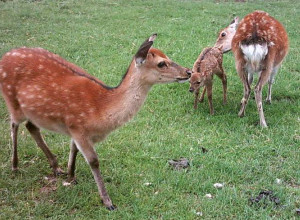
(101,37)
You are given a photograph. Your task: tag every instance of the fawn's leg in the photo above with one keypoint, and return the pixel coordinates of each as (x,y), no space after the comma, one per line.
(209,96)
(202,94)
(36,135)
(196,98)
(86,148)
(223,77)
(14,137)
(72,162)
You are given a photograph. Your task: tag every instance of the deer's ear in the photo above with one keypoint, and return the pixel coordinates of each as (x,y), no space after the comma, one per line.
(234,23)
(141,54)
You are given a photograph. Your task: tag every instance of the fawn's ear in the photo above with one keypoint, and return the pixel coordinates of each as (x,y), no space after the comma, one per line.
(141,54)
(234,23)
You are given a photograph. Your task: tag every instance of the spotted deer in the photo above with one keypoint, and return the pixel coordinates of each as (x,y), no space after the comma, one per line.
(259,46)
(209,63)
(46,91)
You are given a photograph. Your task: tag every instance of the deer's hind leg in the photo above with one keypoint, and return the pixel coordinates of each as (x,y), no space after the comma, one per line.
(36,135)
(209,96)
(270,82)
(223,77)
(14,137)
(72,161)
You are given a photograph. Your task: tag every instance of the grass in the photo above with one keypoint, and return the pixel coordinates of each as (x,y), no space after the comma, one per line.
(101,37)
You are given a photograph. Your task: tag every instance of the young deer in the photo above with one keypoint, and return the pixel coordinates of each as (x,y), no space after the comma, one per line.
(48,92)
(209,63)
(259,45)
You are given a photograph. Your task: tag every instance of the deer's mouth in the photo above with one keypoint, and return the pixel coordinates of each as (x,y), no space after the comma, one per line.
(182,80)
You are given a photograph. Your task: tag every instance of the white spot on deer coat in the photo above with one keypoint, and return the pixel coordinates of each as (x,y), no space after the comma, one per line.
(4,75)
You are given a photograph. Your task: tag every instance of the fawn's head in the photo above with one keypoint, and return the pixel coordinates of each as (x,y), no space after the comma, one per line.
(156,67)
(225,36)
(196,81)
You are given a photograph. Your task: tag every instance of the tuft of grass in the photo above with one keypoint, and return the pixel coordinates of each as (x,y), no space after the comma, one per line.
(101,37)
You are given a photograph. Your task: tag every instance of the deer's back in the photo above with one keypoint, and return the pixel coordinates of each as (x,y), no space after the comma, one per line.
(258,28)
(49,91)
(210,59)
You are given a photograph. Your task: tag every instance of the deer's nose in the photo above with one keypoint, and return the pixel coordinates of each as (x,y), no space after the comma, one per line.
(191,90)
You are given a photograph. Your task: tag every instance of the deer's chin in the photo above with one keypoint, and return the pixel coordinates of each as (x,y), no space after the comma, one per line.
(225,51)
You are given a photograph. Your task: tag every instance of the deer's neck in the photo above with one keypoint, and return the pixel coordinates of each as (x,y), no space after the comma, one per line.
(127,98)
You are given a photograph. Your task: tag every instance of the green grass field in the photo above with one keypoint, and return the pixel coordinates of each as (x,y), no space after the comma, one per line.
(101,37)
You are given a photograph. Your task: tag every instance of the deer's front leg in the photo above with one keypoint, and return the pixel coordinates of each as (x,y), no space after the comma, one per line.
(202,94)
(86,148)
(196,98)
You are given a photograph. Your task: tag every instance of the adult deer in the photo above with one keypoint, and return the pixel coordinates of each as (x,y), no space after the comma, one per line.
(259,45)
(46,91)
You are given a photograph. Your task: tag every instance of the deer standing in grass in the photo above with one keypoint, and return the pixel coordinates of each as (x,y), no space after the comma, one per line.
(259,46)
(209,63)
(46,91)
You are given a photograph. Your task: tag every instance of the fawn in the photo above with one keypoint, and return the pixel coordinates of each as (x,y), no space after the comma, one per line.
(209,63)
(48,92)
(259,46)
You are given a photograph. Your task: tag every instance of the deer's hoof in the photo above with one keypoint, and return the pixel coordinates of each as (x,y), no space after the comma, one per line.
(111,208)
(14,169)
(241,114)
(59,172)
(268,102)
(263,125)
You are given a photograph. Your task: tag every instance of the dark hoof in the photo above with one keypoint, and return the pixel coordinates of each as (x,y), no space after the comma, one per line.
(59,172)
(111,208)
(15,169)
(72,181)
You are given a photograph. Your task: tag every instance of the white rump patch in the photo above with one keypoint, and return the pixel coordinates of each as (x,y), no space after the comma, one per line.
(254,54)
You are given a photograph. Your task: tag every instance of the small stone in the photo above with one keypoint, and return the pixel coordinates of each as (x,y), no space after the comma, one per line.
(278,181)
(199,213)
(208,196)
(147,184)
(66,184)
(218,185)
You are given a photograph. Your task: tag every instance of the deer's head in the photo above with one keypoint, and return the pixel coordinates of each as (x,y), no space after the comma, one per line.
(225,36)
(156,67)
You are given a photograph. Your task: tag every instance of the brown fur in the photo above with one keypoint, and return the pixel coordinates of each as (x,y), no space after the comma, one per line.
(49,92)
(208,63)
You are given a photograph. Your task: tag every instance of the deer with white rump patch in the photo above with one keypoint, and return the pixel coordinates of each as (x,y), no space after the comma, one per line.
(259,46)
(209,63)
(46,91)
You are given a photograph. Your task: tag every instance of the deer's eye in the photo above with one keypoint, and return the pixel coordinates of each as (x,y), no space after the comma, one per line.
(161,64)
(223,34)
(197,83)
